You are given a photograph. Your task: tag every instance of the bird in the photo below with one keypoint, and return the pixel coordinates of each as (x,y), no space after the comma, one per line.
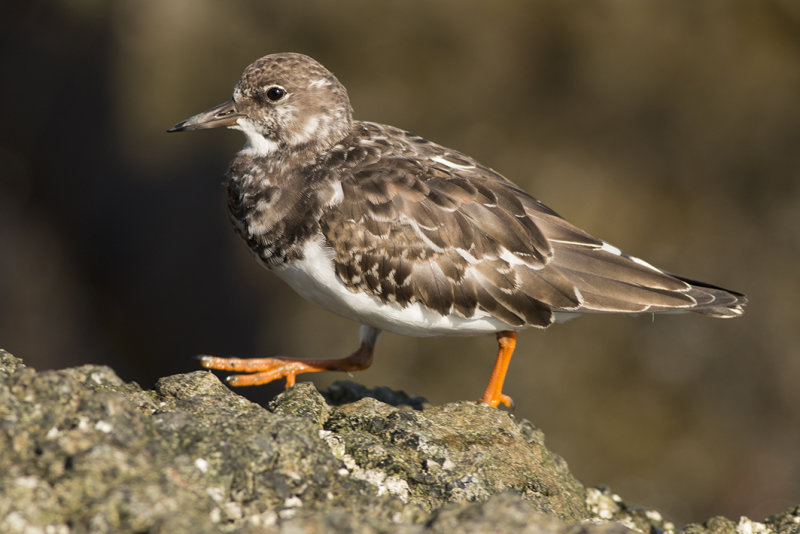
(399,233)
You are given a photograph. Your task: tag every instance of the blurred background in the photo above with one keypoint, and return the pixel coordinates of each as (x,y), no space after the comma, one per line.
(671,129)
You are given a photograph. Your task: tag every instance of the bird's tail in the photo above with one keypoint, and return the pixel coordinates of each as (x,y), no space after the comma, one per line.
(715,301)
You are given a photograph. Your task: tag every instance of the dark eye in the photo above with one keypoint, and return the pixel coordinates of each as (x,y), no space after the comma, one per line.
(275,93)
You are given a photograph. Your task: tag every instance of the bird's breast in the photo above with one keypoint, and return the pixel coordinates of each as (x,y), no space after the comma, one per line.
(271,208)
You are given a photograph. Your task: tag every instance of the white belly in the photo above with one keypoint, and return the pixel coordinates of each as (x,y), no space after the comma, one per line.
(315,279)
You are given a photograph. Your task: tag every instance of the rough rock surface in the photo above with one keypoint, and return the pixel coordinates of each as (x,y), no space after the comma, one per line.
(83,451)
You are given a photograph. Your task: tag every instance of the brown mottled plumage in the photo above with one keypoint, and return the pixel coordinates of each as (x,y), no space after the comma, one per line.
(400,233)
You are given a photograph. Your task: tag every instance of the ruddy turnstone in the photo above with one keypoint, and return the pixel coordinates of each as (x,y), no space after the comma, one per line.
(401,234)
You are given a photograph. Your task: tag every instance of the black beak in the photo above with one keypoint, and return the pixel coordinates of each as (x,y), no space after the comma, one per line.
(223,115)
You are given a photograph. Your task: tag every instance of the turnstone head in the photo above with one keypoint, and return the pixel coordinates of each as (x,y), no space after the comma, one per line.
(401,234)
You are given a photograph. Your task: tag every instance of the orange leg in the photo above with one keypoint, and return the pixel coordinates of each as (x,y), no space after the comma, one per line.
(493,395)
(264,370)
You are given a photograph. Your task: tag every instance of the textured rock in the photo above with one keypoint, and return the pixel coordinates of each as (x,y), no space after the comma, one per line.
(83,451)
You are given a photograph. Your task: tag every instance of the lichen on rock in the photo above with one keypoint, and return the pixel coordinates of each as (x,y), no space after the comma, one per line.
(84,451)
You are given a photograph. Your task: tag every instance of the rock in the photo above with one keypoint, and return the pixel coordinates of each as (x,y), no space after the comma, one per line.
(785,523)
(84,451)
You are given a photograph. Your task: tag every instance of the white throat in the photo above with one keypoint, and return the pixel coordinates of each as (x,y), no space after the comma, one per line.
(257,144)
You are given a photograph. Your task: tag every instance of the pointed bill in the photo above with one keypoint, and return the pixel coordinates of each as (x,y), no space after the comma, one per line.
(224,114)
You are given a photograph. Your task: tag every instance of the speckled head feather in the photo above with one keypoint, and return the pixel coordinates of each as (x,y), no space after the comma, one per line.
(293,101)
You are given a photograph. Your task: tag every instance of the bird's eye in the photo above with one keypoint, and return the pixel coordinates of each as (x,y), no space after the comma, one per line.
(275,93)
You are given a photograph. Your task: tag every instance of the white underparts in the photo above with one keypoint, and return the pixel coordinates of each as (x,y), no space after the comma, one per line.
(315,279)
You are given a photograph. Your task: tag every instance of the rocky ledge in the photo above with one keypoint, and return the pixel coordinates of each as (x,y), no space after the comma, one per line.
(84,451)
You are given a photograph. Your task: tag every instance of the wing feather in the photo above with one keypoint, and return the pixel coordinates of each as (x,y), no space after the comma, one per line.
(425,224)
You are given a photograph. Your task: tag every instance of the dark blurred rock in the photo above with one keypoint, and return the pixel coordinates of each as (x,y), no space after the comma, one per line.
(83,451)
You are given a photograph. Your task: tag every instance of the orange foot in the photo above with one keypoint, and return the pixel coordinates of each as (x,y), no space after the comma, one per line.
(264,370)
(493,395)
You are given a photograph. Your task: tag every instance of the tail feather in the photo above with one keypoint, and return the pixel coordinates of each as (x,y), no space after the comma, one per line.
(715,301)
(611,281)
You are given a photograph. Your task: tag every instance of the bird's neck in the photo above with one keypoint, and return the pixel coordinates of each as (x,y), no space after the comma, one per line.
(275,205)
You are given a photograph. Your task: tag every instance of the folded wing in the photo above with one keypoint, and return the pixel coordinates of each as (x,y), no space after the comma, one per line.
(422,223)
